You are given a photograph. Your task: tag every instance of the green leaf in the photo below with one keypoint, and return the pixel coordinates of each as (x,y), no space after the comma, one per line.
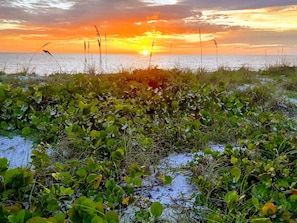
(231,197)
(82,172)
(26,131)
(19,103)
(236,173)
(119,107)
(82,105)
(91,178)
(97,219)
(156,209)
(71,110)
(215,218)
(37,97)
(60,217)
(54,128)
(118,154)
(110,184)
(91,165)
(246,160)
(18,218)
(110,143)
(261,220)
(66,191)
(95,134)
(59,166)
(112,216)
(87,205)
(65,177)
(23,105)
(293,198)
(137,181)
(2,95)
(3,164)
(174,104)
(37,219)
(256,203)
(207,151)
(4,125)
(168,180)
(97,182)
(94,110)
(128,180)
(233,160)
(10,176)
(165,179)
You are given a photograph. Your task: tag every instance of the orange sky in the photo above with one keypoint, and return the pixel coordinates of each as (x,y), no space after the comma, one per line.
(238,26)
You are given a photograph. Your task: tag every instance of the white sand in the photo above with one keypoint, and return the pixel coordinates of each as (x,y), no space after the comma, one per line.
(175,196)
(17,150)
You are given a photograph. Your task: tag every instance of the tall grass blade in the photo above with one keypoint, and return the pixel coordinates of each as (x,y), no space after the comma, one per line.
(200,48)
(44,45)
(88,50)
(216,44)
(99,44)
(105,39)
(170,51)
(47,52)
(85,51)
(152,49)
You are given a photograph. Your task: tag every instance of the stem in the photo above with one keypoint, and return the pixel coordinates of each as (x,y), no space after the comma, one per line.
(151,53)
(85,51)
(216,44)
(105,37)
(99,44)
(200,48)
(47,52)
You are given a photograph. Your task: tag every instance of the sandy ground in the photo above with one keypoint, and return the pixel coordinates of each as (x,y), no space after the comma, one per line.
(175,197)
(17,150)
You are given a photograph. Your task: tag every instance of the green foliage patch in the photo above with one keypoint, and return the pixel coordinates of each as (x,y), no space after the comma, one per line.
(96,136)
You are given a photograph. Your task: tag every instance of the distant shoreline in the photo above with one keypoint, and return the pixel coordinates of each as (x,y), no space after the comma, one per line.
(45,64)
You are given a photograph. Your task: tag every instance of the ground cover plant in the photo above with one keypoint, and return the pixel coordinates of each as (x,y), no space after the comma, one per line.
(96,136)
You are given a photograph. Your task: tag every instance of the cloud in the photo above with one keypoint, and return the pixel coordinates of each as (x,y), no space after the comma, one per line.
(235,4)
(180,13)
(273,18)
(178,20)
(254,37)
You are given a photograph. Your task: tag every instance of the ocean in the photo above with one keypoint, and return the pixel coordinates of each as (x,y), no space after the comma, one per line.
(46,64)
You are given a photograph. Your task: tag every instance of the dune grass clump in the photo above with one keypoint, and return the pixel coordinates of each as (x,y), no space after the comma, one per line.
(279,70)
(2,70)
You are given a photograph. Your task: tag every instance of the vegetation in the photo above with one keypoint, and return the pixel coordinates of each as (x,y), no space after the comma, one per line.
(97,134)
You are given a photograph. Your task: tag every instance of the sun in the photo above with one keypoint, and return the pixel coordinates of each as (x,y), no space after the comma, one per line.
(145,52)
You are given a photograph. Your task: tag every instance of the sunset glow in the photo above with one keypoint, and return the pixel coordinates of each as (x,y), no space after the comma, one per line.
(239,27)
(145,52)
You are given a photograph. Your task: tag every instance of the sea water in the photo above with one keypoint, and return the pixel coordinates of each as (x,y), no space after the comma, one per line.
(45,64)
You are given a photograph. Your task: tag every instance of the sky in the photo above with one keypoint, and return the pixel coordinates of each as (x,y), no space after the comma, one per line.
(144,26)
